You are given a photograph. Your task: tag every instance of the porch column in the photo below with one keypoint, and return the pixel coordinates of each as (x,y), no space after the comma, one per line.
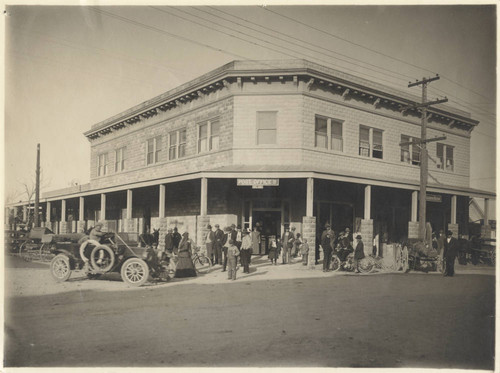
(81,209)
(129,203)
(454,209)
(368,201)
(63,210)
(486,212)
(25,213)
(47,213)
(414,206)
(203,197)
(103,206)
(161,207)
(309,196)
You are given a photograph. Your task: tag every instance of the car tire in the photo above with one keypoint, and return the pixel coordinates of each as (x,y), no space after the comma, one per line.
(135,272)
(335,265)
(110,259)
(60,268)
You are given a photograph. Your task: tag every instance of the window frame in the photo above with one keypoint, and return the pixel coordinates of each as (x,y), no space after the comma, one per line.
(157,148)
(209,136)
(258,129)
(330,122)
(444,165)
(411,151)
(177,145)
(120,164)
(103,165)
(371,143)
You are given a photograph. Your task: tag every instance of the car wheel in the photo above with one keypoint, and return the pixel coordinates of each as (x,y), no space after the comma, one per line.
(365,265)
(60,268)
(105,263)
(135,272)
(335,266)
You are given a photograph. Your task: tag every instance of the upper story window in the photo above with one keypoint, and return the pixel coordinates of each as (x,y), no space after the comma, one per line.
(208,136)
(444,154)
(119,159)
(328,134)
(371,142)
(177,144)
(153,150)
(266,127)
(410,153)
(102,164)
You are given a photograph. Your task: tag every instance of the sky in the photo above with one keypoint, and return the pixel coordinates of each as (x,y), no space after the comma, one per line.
(68,68)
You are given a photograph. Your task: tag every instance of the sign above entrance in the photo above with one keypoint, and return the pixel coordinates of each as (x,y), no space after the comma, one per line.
(434,198)
(258,183)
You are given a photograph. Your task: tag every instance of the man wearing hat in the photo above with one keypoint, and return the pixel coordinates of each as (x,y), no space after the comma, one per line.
(209,243)
(96,234)
(246,250)
(169,241)
(327,238)
(450,253)
(359,252)
(219,242)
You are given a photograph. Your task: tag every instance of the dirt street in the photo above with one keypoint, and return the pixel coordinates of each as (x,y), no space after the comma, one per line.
(386,320)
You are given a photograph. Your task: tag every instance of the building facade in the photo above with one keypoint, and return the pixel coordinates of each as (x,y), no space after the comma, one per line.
(284,143)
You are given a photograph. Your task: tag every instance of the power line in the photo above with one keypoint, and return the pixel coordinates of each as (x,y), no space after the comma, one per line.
(367,48)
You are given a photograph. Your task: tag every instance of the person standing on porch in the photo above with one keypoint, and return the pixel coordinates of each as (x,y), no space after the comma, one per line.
(284,240)
(232,254)
(209,243)
(255,240)
(219,238)
(169,241)
(225,247)
(359,252)
(304,250)
(246,251)
(327,239)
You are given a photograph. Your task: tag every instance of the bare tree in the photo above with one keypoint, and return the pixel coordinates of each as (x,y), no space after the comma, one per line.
(28,188)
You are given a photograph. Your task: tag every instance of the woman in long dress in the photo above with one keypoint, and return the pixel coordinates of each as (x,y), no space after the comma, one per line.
(185,267)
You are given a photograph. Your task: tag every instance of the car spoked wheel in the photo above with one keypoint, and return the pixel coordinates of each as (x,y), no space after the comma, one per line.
(135,271)
(60,268)
(365,265)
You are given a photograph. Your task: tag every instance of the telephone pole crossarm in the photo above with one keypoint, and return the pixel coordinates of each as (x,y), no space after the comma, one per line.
(423,81)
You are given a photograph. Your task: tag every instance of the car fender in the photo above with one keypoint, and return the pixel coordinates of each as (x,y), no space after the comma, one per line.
(72,259)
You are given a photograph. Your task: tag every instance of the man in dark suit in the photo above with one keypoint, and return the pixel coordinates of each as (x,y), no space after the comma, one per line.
(450,253)
(219,242)
(176,239)
(210,242)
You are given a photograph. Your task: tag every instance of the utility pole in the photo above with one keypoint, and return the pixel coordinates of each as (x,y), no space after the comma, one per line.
(422,142)
(37,187)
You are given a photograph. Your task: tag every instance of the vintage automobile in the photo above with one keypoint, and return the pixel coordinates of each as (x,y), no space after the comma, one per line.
(111,254)
(34,247)
(14,239)
(415,255)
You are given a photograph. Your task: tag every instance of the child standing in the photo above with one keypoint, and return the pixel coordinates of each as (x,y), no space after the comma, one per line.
(273,250)
(304,250)
(232,255)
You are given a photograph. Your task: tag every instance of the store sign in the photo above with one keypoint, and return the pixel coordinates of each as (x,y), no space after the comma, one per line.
(258,183)
(434,198)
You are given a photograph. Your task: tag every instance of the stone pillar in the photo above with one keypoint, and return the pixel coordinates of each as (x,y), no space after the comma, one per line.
(47,212)
(81,209)
(129,204)
(454,229)
(367,234)
(63,210)
(309,233)
(413,229)
(453,209)
(203,196)
(80,226)
(368,201)
(201,230)
(161,207)
(64,227)
(103,206)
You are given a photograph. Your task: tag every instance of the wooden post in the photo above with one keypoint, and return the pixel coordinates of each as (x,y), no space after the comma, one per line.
(63,210)
(129,203)
(368,201)
(161,207)
(81,209)
(309,196)
(103,206)
(414,206)
(453,209)
(203,196)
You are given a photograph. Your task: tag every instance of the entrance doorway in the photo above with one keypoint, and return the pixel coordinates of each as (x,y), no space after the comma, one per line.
(270,222)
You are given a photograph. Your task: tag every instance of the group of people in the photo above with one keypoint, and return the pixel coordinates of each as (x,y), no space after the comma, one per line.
(225,246)
(340,245)
(289,246)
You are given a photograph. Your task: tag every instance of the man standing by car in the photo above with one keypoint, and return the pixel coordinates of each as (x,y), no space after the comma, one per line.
(450,253)
(219,242)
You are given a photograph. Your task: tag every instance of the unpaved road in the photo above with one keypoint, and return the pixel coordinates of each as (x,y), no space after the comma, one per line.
(390,320)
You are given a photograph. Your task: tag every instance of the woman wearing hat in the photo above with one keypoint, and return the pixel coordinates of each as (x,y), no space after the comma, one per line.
(185,267)
(359,252)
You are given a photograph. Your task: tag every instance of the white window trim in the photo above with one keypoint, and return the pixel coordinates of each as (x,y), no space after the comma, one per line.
(410,150)
(155,147)
(443,166)
(117,168)
(370,140)
(177,143)
(329,136)
(106,159)
(209,135)
(257,128)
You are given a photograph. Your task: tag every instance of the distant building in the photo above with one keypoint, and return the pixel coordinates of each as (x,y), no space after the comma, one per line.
(284,143)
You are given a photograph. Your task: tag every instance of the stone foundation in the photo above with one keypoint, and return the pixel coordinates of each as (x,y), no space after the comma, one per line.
(64,227)
(413,227)
(454,229)
(130,225)
(201,232)
(367,235)
(309,233)
(81,226)
(485,231)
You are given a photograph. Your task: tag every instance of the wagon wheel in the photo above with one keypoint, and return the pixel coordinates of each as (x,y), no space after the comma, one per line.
(102,262)
(135,272)
(46,253)
(60,268)
(24,252)
(366,265)
(335,266)
(405,260)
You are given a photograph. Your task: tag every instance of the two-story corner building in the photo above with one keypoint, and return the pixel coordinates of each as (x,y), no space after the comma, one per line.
(277,142)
